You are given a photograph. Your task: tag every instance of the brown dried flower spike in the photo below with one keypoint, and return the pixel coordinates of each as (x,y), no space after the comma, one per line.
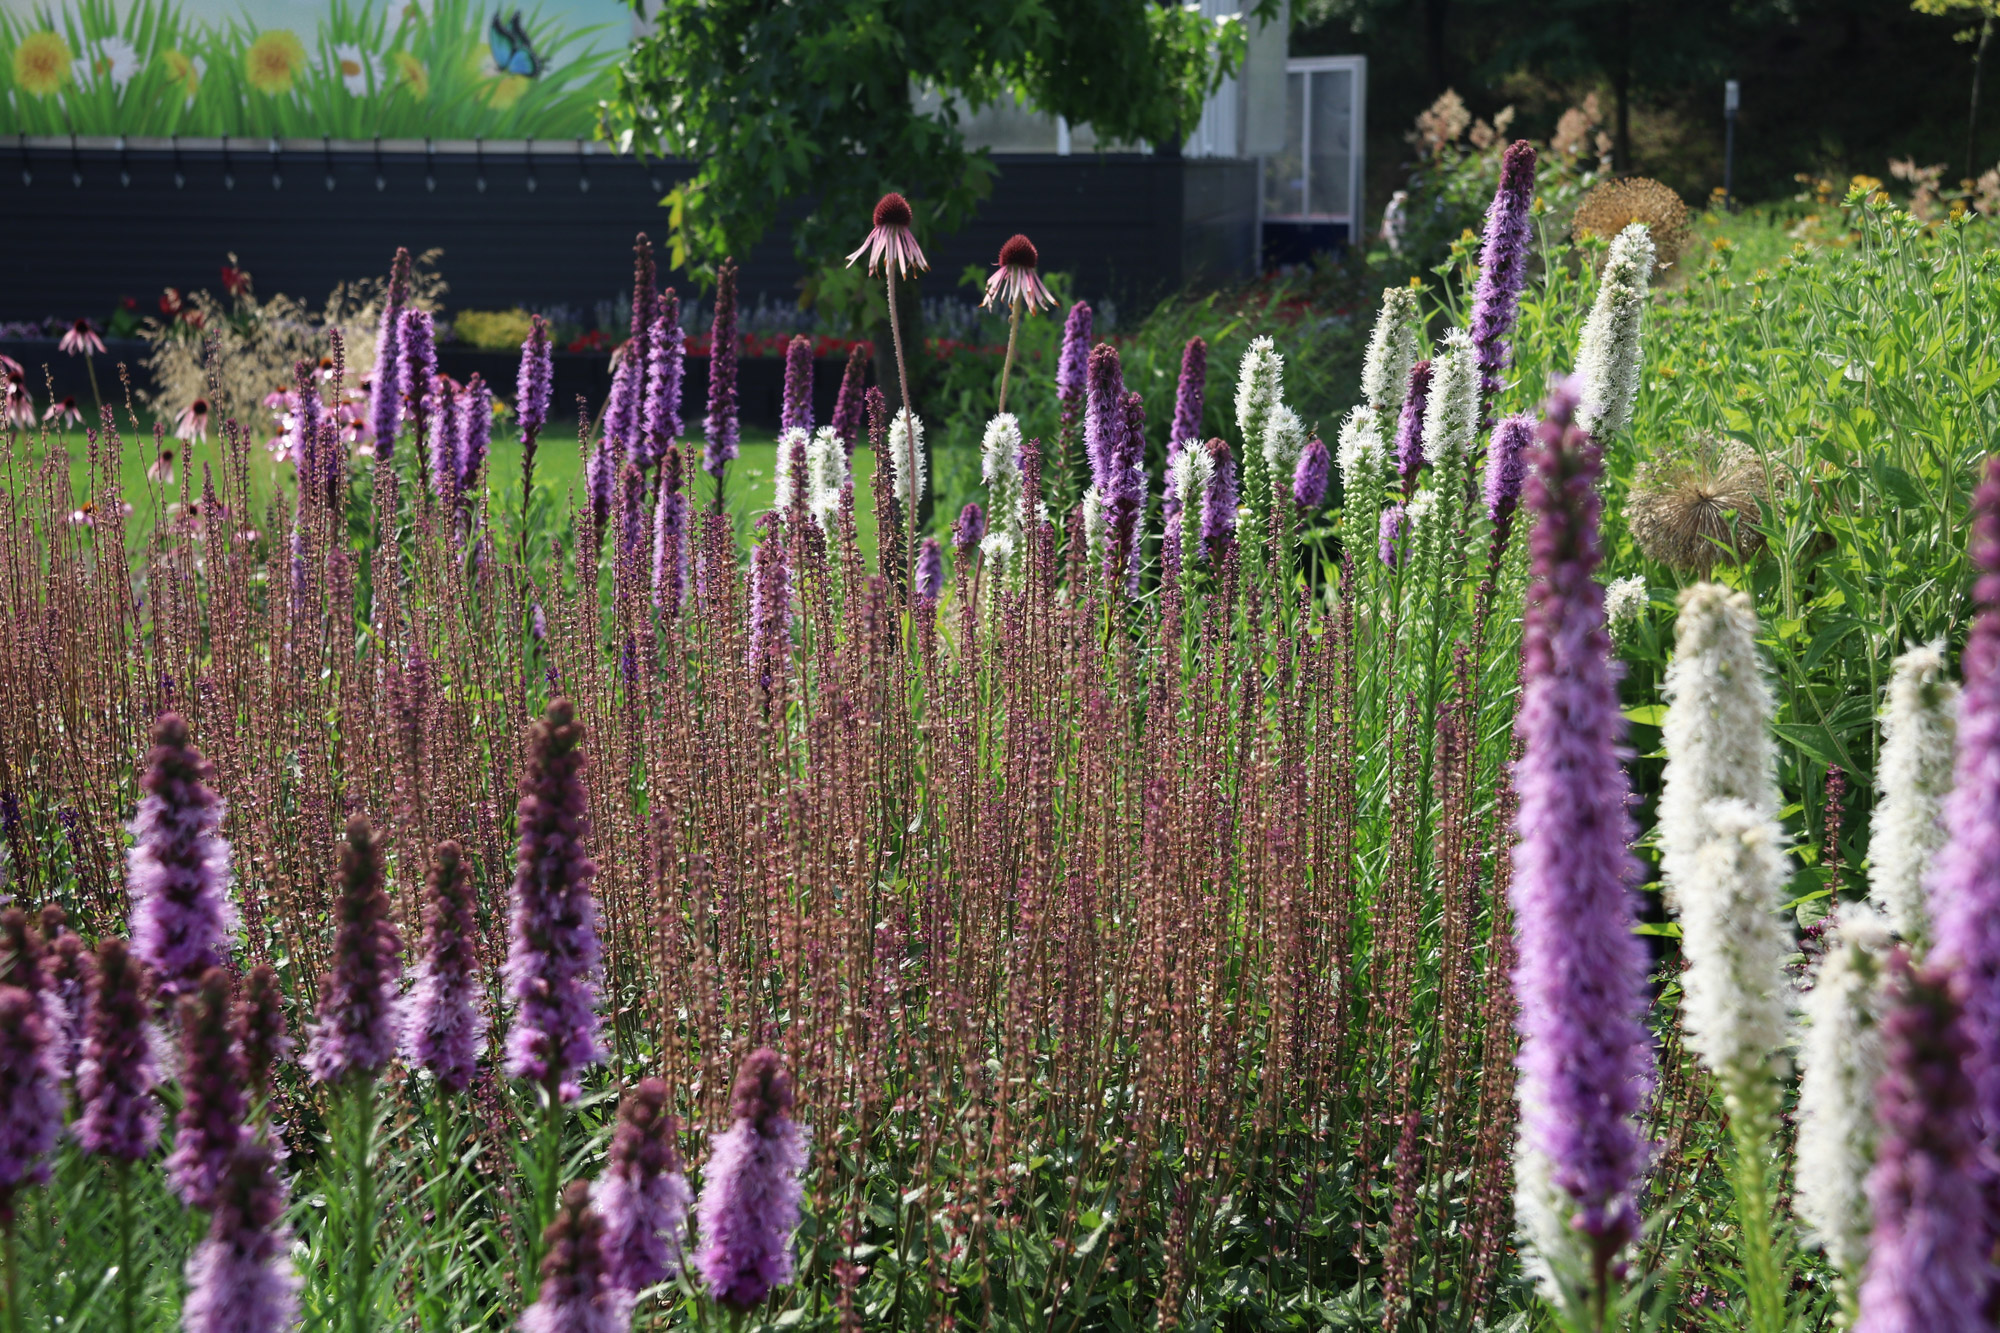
(1693,504)
(1612,206)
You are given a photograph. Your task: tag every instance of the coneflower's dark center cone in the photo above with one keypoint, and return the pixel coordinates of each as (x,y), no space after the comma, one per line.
(892,210)
(1019,252)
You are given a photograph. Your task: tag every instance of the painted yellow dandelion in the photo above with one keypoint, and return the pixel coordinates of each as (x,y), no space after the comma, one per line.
(183,71)
(411,74)
(506,90)
(41,63)
(273,61)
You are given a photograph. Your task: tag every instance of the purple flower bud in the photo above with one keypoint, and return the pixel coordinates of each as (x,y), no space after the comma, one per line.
(1104,418)
(601,478)
(624,409)
(1410,427)
(260,1028)
(240,1277)
(750,1198)
(475,427)
(664,377)
(1188,398)
(357,1027)
(30,1101)
(1585,1060)
(1506,469)
(417,364)
(1503,264)
(1394,531)
(67,1000)
(670,537)
(632,543)
(577,1293)
(443,1030)
(796,412)
(1311,474)
(847,407)
(643,1194)
(535,382)
(385,414)
(553,950)
(770,597)
(970,529)
(721,425)
(1073,365)
(178,871)
(930,569)
(209,1125)
(121,1117)
(1218,507)
(446,416)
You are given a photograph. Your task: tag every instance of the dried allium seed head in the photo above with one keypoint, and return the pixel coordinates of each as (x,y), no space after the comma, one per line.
(1693,504)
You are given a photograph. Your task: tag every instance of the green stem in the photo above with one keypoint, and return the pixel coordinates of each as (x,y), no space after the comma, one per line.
(1763,1268)
(440,1192)
(1013,334)
(548,1170)
(360,1259)
(11,1258)
(127,1278)
(90,368)
(909,442)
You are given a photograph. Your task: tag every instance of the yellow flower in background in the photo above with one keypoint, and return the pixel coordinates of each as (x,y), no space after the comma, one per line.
(506,90)
(273,61)
(184,72)
(411,74)
(41,63)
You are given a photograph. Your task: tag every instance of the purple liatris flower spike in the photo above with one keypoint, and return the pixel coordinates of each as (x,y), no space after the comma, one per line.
(1218,506)
(1188,396)
(601,479)
(475,426)
(1073,365)
(178,870)
(633,547)
(624,409)
(970,530)
(670,536)
(443,1030)
(1104,417)
(930,569)
(1394,535)
(417,365)
(1585,1062)
(357,1027)
(1125,496)
(750,1195)
(121,1117)
(240,1277)
(553,949)
(535,382)
(260,1028)
(446,423)
(721,424)
(30,1101)
(1927,1265)
(643,1194)
(1506,469)
(68,999)
(796,412)
(664,377)
(385,414)
(577,1292)
(770,597)
(847,408)
(1410,427)
(1311,475)
(1503,265)
(210,1122)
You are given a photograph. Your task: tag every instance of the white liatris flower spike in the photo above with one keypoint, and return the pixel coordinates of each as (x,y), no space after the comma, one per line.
(827,476)
(1913,776)
(906,450)
(1284,441)
(1609,355)
(791,444)
(1451,415)
(1625,598)
(1392,350)
(1093,525)
(1260,387)
(1734,992)
(1841,1061)
(1007,501)
(1361,454)
(1189,476)
(1421,509)
(1717,728)
(1542,1213)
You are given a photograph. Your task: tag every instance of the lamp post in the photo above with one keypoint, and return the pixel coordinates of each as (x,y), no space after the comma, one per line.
(1732,97)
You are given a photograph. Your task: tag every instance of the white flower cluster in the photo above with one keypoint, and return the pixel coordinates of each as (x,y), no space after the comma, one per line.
(1721,849)
(1284,441)
(1914,775)
(1260,389)
(1609,356)
(1625,599)
(1392,350)
(1189,476)
(791,446)
(827,476)
(1841,1061)
(1362,455)
(1451,415)
(906,454)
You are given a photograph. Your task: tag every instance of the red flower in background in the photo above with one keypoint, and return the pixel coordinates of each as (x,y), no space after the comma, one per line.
(234,280)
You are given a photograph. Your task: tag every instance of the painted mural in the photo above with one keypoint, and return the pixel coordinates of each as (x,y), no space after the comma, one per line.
(444,69)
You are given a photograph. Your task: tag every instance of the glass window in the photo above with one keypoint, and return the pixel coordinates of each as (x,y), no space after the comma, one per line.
(1330,140)
(1285,173)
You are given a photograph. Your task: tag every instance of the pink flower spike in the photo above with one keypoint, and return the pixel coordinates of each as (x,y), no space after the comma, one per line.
(81,338)
(1015,279)
(892,242)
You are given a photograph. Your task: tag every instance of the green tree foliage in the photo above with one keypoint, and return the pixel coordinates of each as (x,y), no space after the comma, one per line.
(811,101)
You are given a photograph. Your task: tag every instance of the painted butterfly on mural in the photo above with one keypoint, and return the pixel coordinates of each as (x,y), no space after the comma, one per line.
(511,52)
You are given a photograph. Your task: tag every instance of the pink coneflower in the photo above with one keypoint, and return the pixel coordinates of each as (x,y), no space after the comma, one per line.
(81,338)
(892,243)
(64,412)
(16,407)
(1014,277)
(161,471)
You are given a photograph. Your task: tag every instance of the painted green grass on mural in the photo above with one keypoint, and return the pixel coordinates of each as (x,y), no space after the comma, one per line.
(369,70)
